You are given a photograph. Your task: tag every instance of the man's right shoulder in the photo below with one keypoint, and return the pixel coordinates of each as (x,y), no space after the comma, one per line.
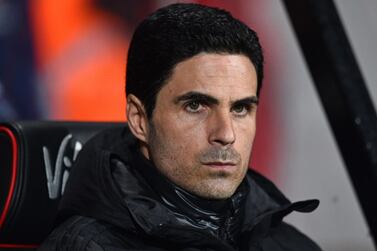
(85,234)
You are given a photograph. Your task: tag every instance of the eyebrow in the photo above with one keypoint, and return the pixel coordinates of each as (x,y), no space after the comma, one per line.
(197,96)
(246,101)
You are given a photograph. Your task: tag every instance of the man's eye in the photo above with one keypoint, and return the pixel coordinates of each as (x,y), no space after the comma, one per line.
(193,106)
(240,110)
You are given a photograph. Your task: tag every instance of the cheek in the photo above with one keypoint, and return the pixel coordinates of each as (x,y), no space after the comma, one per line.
(182,131)
(246,135)
(174,156)
(174,143)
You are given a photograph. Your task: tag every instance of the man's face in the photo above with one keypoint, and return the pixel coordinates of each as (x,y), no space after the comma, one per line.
(203,126)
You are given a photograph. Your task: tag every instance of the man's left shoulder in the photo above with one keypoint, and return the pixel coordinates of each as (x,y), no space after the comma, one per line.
(288,238)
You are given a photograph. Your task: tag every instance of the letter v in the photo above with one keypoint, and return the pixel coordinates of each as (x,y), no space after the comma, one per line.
(54,181)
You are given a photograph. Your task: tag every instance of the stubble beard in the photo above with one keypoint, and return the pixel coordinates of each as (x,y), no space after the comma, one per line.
(217,185)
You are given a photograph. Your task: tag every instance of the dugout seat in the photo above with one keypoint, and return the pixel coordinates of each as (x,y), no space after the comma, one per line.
(35,161)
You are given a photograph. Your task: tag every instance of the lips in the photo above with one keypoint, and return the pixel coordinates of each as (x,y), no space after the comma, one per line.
(221,165)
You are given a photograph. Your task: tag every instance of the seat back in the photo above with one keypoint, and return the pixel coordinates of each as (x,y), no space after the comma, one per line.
(35,161)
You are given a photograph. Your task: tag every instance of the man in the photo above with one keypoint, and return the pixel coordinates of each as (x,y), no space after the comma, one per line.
(177,177)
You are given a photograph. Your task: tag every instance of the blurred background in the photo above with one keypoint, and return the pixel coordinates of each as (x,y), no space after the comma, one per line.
(65,60)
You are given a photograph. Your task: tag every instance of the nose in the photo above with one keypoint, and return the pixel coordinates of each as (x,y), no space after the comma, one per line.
(221,130)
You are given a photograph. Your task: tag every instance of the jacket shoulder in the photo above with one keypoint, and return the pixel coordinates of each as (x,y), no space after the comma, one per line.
(81,233)
(85,234)
(288,238)
(76,233)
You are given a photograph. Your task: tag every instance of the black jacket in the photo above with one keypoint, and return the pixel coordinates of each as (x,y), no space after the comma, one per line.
(110,204)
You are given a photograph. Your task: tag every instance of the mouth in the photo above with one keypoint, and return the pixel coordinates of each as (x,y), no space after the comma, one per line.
(221,165)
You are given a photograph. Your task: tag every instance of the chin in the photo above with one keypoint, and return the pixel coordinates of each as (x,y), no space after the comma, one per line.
(215,193)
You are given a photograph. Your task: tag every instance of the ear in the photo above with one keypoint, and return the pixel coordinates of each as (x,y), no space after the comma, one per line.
(137,118)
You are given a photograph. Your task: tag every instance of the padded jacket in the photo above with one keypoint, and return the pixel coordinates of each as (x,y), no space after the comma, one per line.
(109,205)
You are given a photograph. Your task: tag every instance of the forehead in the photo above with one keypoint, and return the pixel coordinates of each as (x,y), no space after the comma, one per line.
(229,76)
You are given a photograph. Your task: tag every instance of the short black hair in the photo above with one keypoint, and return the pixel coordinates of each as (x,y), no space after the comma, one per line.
(178,32)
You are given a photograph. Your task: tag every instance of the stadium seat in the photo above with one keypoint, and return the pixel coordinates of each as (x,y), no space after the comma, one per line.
(35,161)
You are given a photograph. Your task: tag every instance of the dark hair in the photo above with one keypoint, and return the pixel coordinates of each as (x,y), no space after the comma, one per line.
(178,32)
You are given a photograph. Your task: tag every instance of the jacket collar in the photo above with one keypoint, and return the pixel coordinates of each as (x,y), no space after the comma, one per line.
(264,206)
